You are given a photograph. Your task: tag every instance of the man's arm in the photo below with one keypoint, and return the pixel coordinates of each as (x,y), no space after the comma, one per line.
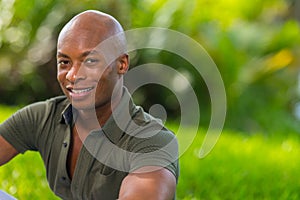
(159,185)
(7,151)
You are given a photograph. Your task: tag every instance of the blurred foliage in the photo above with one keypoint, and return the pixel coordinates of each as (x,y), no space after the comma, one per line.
(255,45)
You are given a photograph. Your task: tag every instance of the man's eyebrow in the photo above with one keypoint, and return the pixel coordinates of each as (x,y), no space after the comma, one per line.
(59,54)
(92,52)
(83,55)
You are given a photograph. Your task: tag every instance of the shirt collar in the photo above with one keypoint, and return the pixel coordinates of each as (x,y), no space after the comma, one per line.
(67,115)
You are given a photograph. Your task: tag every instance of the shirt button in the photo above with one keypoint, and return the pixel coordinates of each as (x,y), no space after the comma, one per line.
(65,144)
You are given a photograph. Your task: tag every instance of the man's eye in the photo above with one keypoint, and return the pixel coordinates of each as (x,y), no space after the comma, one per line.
(91,61)
(63,62)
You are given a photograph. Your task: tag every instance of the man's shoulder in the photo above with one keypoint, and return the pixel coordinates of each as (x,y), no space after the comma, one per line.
(59,101)
(45,107)
(145,121)
(148,128)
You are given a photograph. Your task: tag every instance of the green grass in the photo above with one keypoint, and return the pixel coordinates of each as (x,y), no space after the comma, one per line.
(25,178)
(242,167)
(239,167)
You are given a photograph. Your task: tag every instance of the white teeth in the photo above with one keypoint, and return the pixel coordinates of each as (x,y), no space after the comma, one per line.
(76,91)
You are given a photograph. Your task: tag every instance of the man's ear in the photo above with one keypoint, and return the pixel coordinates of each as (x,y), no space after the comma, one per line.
(123,64)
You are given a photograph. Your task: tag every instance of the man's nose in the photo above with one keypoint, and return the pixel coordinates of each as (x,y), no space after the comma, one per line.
(76,73)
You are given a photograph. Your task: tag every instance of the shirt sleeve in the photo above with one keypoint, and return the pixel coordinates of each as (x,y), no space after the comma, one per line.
(21,130)
(160,149)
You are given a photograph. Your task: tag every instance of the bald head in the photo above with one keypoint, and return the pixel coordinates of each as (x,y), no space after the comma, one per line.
(94,26)
(93,20)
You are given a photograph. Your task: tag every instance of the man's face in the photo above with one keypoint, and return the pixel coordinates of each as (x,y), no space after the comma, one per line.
(84,76)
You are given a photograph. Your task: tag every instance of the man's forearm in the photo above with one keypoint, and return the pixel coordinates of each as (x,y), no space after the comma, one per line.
(7,151)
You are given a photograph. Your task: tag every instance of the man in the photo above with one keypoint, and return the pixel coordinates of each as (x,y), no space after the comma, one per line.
(95,143)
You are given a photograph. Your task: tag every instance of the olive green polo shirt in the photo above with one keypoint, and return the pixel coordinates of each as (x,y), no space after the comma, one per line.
(130,139)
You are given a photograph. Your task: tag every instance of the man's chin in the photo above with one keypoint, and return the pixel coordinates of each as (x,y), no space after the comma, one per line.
(83,106)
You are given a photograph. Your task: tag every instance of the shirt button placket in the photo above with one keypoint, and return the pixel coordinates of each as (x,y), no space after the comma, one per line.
(65,145)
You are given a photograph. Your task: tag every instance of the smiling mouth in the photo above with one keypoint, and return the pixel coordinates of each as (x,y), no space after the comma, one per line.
(80,91)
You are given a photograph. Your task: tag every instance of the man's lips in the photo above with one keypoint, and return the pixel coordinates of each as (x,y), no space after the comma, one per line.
(79,91)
